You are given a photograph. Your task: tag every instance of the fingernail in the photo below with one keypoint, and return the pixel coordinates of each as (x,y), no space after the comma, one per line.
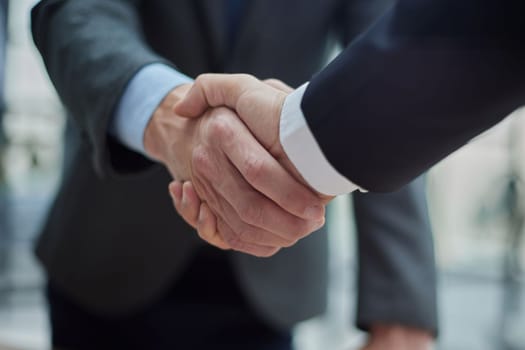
(314,212)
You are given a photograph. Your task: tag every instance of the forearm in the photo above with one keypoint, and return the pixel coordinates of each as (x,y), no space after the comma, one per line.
(91,48)
(428,77)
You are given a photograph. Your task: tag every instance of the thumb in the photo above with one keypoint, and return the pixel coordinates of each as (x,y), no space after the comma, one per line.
(279,85)
(213,90)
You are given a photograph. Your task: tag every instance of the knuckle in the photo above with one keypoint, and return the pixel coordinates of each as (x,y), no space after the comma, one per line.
(202,79)
(262,237)
(220,127)
(304,228)
(247,77)
(267,252)
(273,81)
(235,243)
(297,230)
(201,161)
(290,243)
(227,235)
(224,113)
(253,168)
(252,236)
(290,199)
(213,96)
(251,214)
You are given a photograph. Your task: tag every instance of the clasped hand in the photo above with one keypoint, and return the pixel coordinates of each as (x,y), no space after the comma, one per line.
(219,138)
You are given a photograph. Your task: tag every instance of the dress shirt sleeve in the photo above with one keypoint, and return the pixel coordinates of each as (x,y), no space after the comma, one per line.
(305,153)
(144,93)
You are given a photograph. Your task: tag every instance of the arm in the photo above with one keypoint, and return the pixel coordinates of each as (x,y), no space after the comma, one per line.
(96,57)
(201,151)
(428,77)
(92,49)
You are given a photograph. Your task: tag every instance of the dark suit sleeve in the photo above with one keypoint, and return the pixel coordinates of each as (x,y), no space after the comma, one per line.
(427,77)
(359,15)
(397,274)
(91,49)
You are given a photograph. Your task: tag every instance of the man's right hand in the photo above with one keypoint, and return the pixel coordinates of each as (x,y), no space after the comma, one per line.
(230,171)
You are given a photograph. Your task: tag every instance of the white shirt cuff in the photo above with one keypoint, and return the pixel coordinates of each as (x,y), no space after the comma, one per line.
(304,152)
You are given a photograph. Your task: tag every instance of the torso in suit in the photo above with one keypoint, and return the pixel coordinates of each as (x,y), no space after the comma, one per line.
(113,242)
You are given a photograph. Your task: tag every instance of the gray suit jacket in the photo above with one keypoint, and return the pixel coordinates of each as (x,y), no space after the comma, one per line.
(113,241)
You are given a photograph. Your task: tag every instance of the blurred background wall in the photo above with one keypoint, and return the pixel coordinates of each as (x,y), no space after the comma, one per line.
(476,202)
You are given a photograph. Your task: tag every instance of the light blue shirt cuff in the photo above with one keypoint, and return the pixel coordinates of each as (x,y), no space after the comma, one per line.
(144,93)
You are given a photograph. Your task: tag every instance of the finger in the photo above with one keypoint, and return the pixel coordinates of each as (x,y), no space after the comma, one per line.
(213,90)
(257,104)
(207,228)
(190,203)
(241,246)
(206,222)
(226,236)
(266,175)
(250,206)
(239,229)
(279,85)
(261,171)
(186,203)
(248,233)
(175,190)
(278,204)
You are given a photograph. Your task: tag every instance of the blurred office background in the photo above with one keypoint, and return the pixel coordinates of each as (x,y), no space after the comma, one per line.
(476,199)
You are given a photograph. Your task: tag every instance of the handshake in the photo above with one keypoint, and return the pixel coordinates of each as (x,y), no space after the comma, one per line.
(233,182)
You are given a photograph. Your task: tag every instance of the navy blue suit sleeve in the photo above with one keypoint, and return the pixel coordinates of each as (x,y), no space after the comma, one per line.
(424,80)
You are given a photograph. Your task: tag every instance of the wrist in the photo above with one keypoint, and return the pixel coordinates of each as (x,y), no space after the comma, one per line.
(155,133)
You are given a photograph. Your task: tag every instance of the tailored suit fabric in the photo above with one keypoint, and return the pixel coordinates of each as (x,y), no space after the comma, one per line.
(112,241)
(424,80)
